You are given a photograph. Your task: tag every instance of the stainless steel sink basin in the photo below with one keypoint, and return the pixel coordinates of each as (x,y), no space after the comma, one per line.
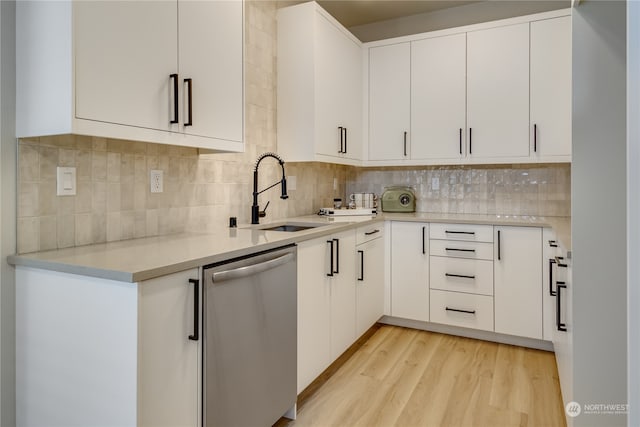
(290,227)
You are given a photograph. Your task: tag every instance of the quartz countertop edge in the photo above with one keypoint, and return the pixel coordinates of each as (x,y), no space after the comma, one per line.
(145,258)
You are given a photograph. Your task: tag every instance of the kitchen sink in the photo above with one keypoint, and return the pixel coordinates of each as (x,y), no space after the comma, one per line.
(290,227)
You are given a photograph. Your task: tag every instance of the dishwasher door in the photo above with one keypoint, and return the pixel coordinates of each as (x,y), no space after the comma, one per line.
(250,339)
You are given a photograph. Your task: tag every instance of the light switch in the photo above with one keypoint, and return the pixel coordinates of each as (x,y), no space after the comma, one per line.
(66,181)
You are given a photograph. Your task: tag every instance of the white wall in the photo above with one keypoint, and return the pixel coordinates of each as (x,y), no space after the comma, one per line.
(633,208)
(7,212)
(599,231)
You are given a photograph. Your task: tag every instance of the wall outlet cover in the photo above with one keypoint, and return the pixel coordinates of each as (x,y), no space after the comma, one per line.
(66,181)
(156,181)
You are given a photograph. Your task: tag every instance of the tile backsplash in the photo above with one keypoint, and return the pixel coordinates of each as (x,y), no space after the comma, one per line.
(541,190)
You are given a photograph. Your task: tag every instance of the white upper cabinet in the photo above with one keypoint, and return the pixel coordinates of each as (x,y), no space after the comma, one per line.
(438,97)
(498,92)
(167,72)
(319,87)
(389,102)
(551,89)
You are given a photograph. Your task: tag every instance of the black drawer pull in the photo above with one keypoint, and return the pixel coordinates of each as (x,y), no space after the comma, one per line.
(424,251)
(553,243)
(337,270)
(459,275)
(551,291)
(460,311)
(361,278)
(460,232)
(174,77)
(330,273)
(369,233)
(459,250)
(405,144)
(341,139)
(559,325)
(460,140)
(535,137)
(189,83)
(196,310)
(559,260)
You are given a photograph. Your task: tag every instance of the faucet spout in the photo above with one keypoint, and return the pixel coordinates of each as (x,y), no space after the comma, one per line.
(255,208)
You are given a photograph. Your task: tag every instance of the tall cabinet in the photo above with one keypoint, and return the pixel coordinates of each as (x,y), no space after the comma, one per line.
(319,87)
(167,72)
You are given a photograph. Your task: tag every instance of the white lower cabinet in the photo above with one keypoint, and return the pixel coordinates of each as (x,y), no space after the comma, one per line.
(410,270)
(326,303)
(518,281)
(369,277)
(113,353)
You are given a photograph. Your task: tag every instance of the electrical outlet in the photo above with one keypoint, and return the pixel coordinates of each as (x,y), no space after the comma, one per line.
(156,181)
(435,183)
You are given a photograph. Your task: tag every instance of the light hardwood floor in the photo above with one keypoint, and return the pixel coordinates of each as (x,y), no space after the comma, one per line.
(406,377)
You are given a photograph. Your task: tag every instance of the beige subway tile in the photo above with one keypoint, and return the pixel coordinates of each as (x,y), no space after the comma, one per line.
(113,167)
(66,205)
(48,162)
(99,197)
(99,166)
(127,194)
(66,231)
(99,144)
(83,166)
(84,229)
(114,197)
(127,165)
(29,164)
(126,225)
(139,224)
(140,195)
(67,157)
(152,222)
(48,233)
(47,198)
(140,168)
(98,227)
(83,198)
(113,226)
(28,236)
(28,199)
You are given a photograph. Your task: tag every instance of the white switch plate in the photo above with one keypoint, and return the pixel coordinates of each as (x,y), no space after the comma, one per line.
(291,182)
(66,181)
(156,181)
(335,183)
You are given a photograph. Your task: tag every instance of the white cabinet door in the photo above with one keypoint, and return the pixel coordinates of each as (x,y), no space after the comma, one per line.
(314,311)
(498,92)
(389,101)
(169,361)
(210,54)
(518,281)
(343,293)
(410,270)
(551,88)
(562,335)
(369,284)
(338,88)
(438,97)
(124,54)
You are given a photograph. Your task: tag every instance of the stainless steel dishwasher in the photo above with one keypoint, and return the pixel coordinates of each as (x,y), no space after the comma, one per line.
(250,339)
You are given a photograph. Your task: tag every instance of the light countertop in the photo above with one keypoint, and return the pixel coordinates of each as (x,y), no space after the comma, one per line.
(145,258)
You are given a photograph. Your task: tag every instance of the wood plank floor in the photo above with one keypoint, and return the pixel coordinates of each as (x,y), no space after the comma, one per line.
(406,377)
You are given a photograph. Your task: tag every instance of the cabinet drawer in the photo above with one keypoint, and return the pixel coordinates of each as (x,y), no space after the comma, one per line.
(461,249)
(469,232)
(458,309)
(369,232)
(462,275)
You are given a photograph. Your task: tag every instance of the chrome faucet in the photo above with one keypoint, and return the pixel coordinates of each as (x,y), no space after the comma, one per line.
(256,213)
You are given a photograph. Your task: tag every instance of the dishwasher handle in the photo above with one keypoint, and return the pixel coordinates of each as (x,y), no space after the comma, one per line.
(251,270)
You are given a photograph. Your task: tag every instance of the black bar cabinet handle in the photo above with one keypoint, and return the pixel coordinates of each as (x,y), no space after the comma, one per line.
(499,245)
(459,250)
(423,240)
(560,262)
(553,244)
(405,143)
(460,232)
(174,77)
(345,141)
(464,276)
(559,325)
(551,291)
(460,311)
(337,270)
(460,140)
(330,273)
(196,310)
(369,233)
(361,278)
(535,137)
(470,141)
(341,139)
(189,83)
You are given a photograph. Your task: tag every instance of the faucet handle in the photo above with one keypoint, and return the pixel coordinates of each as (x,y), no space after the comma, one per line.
(263,212)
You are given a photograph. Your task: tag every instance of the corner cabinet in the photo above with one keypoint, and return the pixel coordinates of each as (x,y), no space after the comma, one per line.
(319,87)
(166,72)
(114,353)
